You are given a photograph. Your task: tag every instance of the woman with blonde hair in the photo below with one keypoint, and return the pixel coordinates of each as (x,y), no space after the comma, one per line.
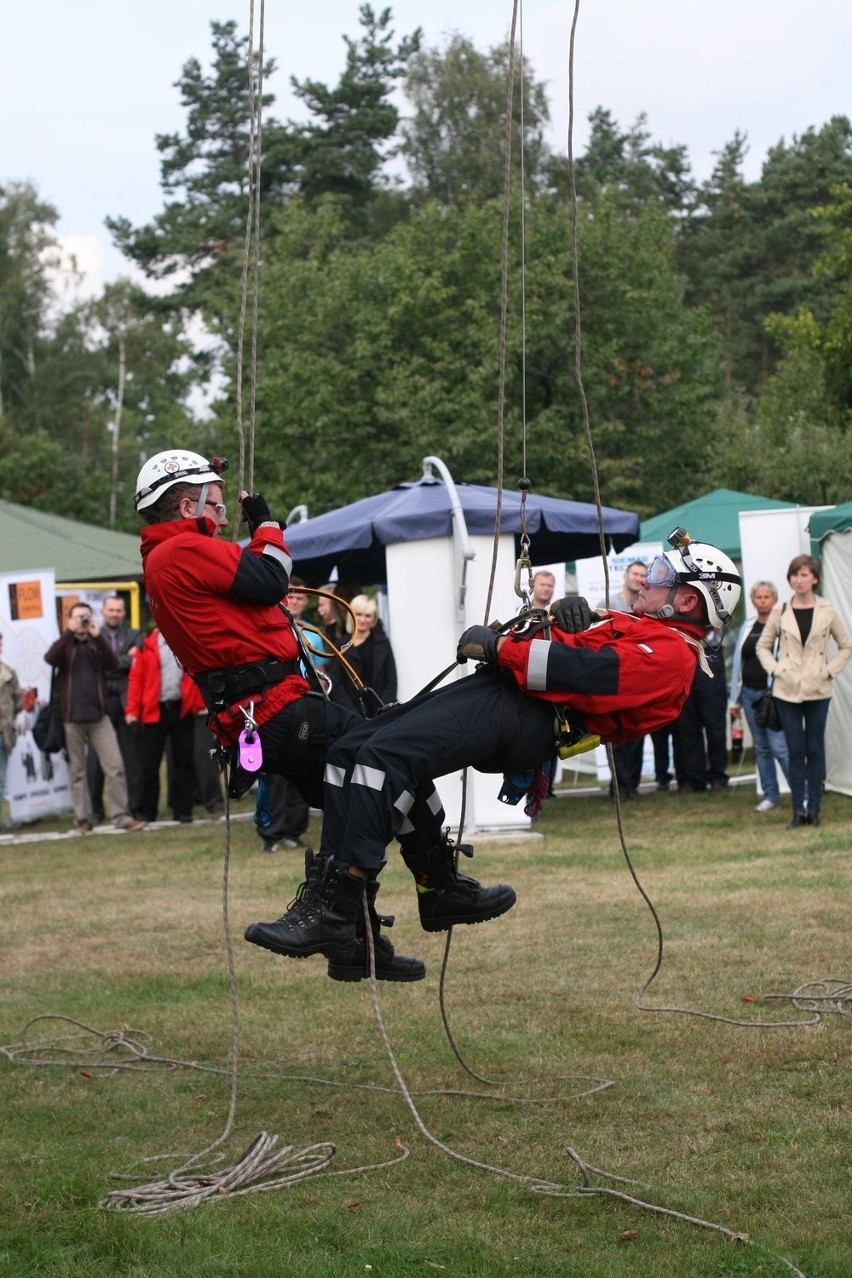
(370,654)
(803,675)
(748,685)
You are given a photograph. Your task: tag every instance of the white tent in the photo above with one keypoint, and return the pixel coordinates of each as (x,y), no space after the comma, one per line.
(831,532)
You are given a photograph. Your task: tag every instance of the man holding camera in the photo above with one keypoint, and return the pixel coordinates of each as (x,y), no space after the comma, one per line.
(81,657)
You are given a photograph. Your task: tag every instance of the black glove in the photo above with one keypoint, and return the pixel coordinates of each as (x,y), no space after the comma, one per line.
(572,614)
(255,511)
(478,642)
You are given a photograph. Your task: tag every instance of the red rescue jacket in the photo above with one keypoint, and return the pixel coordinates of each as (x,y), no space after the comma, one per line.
(624,677)
(143,684)
(217,604)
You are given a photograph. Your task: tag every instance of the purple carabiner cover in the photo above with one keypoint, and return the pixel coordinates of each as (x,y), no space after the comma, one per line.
(251,754)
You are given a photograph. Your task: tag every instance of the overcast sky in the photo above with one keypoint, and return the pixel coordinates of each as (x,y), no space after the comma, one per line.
(84,86)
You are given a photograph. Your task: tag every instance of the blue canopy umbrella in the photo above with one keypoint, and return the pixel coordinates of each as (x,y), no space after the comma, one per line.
(353,538)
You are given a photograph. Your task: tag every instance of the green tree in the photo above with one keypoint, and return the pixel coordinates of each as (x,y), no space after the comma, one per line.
(631,167)
(834,268)
(199,235)
(102,365)
(341,150)
(790,444)
(455,140)
(204,177)
(28,251)
(750,248)
(142,370)
(384,352)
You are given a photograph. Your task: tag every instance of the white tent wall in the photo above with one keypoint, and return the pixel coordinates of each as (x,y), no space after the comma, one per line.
(769,540)
(36,784)
(425,622)
(836,585)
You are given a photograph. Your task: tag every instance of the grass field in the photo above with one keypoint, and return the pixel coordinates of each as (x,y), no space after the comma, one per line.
(747,1128)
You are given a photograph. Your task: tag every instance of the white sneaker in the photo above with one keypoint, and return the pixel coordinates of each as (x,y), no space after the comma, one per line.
(766,805)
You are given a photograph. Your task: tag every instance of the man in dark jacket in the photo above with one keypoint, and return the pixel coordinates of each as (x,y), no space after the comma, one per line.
(81,656)
(124,641)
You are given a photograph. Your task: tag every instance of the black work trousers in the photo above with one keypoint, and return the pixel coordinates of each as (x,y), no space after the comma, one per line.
(179,731)
(700,734)
(378,775)
(627,758)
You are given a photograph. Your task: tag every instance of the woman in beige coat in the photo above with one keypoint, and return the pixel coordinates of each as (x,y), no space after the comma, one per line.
(803,677)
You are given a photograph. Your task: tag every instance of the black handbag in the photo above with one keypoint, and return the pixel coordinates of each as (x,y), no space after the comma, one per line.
(48,729)
(766,712)
(766,707)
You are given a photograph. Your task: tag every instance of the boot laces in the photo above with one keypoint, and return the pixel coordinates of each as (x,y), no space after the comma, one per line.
(452,879)
(310,892)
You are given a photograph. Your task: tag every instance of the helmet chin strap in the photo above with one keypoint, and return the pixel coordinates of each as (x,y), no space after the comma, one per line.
(667,610)
(202,500)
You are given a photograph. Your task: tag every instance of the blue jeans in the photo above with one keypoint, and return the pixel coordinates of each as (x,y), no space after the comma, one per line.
(804,727)
(768,746)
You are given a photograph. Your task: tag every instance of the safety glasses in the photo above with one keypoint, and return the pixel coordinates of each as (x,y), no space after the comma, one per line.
(220,509)
(661,573)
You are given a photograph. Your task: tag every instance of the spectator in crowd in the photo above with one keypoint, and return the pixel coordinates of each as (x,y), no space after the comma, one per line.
(663,751)
(297,601)
(700,731)
(632,582)
(371,655)
(160,696)
(285,812)
(207,792)
(804,676)
(10,707)
(123,641)
(82,656)
(627,757)
(542,588)
(748,684)
(336,619)
(279,804)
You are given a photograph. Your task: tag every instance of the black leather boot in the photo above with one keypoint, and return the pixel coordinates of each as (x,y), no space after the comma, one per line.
(322,918)
(445,897)
(389,965)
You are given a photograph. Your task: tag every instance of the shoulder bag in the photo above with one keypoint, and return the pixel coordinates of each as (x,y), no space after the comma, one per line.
(48,729)
(766,712)
(766,708)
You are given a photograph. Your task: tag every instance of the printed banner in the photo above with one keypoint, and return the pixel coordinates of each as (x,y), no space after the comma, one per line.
(36,783)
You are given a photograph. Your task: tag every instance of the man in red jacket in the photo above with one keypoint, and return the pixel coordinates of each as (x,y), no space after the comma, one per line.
(219,607)
(160,700)
(612,675)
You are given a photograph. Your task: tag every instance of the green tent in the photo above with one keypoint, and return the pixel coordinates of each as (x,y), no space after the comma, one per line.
(823,522)
(76,552)
(713,517)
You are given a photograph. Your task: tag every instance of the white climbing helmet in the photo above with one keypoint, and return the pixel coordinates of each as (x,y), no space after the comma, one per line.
(174,467)
(709,570)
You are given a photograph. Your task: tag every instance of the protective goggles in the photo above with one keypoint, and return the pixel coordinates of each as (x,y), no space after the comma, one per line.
(661,572)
